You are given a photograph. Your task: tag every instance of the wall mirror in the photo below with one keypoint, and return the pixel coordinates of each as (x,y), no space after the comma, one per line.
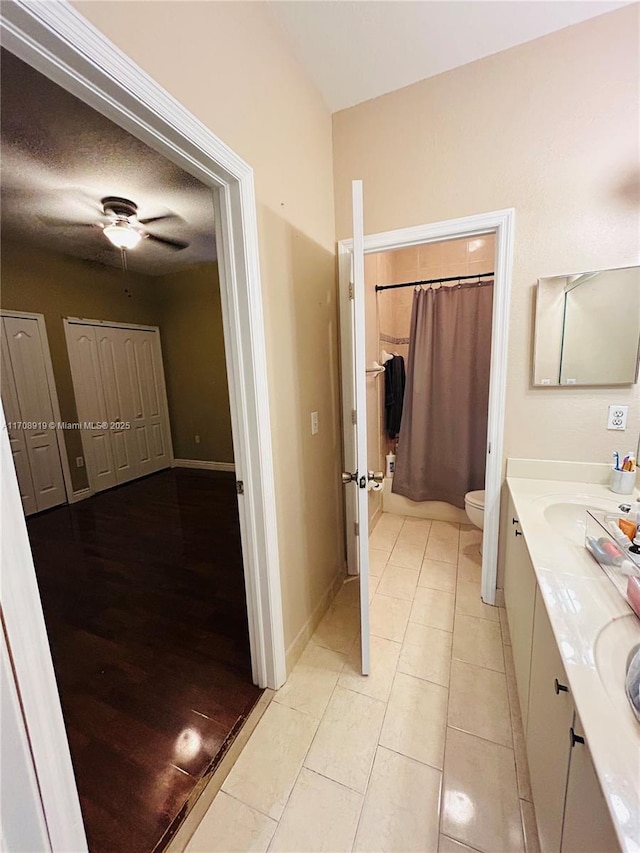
(587,329)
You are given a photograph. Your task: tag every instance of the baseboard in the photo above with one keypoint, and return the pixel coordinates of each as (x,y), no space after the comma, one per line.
(204,465)
(80,495)
(308,629)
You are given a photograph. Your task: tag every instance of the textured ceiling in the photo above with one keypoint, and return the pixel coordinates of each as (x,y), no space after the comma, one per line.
(60,157)
(355,50)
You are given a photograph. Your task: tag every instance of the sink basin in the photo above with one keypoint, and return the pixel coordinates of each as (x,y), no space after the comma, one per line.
(615,645)
(569,518)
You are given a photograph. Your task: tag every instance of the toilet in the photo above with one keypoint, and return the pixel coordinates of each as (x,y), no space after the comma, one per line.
(474,507)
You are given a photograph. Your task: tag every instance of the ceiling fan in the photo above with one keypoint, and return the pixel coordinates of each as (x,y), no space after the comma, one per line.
(124,229)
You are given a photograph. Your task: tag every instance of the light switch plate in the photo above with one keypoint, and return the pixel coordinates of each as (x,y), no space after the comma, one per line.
(314,423)
(617,417)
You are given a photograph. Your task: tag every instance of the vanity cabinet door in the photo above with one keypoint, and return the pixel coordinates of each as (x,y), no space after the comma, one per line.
(547,732)
(587,824)
(519,598)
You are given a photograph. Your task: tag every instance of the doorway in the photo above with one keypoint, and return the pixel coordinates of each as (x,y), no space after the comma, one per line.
(500,224)
(79,63)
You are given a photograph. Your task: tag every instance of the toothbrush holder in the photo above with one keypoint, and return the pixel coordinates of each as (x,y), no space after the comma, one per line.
(622,482)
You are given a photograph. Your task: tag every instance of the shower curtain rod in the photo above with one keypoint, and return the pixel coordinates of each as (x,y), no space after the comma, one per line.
(432,281)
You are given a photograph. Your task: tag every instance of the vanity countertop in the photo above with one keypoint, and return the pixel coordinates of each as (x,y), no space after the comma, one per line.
(581,603)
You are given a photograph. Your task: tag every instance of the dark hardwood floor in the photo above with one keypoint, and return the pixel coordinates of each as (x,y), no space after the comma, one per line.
(143,594)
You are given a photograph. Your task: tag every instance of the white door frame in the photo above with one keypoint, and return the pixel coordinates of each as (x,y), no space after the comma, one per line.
(500,222)
(53,393)
(54,38)
(114,324)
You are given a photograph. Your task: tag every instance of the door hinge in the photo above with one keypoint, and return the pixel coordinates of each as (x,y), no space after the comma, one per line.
(354,416)
(356,528)
(240,487)
(350,290)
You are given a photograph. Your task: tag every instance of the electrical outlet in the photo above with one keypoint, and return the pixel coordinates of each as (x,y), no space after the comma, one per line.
(79,462)
(617,417)
(197,438)
(314,423)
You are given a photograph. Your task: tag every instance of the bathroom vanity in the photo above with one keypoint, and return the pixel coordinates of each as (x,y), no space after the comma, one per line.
(571,634)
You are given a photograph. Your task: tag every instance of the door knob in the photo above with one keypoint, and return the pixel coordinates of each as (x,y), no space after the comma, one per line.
(348,478)
(376,476)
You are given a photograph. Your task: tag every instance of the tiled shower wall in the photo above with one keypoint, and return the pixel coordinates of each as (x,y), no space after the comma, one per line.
(388,315)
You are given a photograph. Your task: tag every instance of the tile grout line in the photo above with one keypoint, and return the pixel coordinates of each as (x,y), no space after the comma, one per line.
(446,718)
(302,765)
(384,717)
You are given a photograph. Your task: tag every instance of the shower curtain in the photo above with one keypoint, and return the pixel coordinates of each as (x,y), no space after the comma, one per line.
(441,452)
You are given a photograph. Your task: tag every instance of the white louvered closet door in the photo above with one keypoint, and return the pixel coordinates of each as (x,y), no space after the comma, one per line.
(27,400)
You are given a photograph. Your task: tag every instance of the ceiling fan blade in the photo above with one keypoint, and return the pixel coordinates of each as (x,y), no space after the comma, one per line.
(159,218)
(64,223)
(172,244)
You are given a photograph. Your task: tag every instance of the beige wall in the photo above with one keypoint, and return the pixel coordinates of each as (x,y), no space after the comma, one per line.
(549,128)
(60,286)
(190,319)
(231,67)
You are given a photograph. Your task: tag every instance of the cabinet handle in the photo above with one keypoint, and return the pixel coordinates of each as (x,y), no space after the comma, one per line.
(559,687)
(518,533)
(574,738)
(514,521)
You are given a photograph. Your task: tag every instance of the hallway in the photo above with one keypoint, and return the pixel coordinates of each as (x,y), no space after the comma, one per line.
(142,589)
(426,754)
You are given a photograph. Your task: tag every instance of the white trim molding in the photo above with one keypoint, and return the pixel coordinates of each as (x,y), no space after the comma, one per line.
(501,223)
(54,38)
(204,465)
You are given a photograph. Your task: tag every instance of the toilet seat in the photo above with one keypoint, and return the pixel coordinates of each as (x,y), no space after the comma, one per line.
(475,499)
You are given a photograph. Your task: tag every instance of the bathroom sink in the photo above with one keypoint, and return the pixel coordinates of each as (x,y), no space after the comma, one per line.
(569,518)
(615,645)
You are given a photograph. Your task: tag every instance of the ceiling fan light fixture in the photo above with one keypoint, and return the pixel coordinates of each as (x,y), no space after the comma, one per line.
(123,235)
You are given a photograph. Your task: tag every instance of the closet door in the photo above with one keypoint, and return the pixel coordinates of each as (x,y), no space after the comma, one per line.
(16,436)
(87,386)
(148,417)
(119,399)
(26,359)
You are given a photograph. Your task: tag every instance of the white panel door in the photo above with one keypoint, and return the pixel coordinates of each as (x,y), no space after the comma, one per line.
(355,428)
(148,417)
(117,389)
(27,364)
(90,403)
(119,377)
(16,436)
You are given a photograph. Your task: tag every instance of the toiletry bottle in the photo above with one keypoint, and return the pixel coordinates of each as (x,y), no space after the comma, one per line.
(391,464)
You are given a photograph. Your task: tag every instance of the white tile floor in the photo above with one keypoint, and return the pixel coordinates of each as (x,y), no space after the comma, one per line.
(425,754)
